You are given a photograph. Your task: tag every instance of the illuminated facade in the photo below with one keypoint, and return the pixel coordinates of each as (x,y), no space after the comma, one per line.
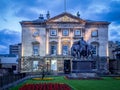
(49,41)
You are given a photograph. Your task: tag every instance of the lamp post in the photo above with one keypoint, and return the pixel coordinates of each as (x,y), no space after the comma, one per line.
(47,67)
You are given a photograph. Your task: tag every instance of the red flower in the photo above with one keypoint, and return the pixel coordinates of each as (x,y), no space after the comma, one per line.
(45,86)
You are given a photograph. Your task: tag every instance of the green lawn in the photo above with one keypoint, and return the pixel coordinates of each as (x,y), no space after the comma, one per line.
(107,83)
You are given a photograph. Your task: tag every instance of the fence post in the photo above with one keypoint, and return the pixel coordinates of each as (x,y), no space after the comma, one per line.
(7,79)
(1,82)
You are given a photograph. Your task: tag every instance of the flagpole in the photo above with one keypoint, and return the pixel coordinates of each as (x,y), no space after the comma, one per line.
(65,5)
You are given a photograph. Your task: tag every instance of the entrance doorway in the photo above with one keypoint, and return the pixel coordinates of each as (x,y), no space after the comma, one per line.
(67,66)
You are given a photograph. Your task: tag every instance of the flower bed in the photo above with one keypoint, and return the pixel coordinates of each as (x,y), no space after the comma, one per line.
(117,78)
(86,78)
(45,86)
(42,79)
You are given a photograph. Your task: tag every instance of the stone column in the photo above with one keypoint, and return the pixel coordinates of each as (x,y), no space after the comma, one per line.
(83,32)
(71,37)
(47,41)
(59,41)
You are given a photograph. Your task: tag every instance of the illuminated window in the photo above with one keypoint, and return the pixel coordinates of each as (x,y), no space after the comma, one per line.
(65,49)
(94,33)
(53,32)
(77,32)
(65,32)
(36,49)
(35,65)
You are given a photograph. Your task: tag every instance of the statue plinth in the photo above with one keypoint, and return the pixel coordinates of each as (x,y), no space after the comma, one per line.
(81,66)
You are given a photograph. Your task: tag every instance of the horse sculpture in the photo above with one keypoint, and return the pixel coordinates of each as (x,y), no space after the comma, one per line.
(81,49)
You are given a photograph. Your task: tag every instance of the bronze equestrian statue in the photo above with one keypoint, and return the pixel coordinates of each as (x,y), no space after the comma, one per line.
(81,49)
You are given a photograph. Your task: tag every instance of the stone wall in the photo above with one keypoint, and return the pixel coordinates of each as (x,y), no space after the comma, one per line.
(28,39)
(114,66)
(101,40)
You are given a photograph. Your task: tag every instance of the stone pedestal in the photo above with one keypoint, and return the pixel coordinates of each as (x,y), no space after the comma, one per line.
(83,69)
(83,66)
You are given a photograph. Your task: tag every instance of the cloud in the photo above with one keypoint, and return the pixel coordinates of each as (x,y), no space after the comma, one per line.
(114,32)
(8,37)
(100,9)
(14,11)
(4,6)
(25,13)
(3,49)
(114,12)
(34,8)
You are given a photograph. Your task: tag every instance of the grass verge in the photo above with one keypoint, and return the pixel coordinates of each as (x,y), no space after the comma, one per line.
(106,83)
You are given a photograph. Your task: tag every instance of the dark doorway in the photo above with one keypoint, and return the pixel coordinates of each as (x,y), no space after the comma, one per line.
(67,66)
(13,67)
(0,65)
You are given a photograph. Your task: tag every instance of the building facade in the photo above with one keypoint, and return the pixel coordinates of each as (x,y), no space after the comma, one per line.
(48,42)
(114,56)
(15,49)
(9,61)
(114,50)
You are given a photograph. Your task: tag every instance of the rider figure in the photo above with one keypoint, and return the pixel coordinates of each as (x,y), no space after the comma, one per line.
(81,48)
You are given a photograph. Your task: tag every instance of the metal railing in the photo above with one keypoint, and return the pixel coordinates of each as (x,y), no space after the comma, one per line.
(7,79)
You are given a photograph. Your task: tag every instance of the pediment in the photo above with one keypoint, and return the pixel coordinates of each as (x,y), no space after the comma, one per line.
(66,17)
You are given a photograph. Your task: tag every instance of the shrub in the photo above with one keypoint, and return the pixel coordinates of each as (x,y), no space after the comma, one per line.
(42,79)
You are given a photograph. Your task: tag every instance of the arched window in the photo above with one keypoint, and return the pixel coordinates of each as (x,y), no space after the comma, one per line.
(65,49)
(53,47)
(95,48)
(35,48)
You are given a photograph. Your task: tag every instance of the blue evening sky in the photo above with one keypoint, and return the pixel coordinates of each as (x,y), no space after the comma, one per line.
(14,11)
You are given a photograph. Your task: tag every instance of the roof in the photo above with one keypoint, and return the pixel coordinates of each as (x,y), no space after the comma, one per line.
(97,22)
(41,20)
(66,14)
(7,55)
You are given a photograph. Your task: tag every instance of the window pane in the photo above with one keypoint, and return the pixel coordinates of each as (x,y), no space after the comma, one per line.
(36,49)
(53,49)
(77,32)
(54,65)
(94,33)
(35,65)
(65,50)
(94,50)
(65,32)
(53,32)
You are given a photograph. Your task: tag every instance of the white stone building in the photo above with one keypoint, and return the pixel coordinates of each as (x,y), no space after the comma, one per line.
(49,41)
